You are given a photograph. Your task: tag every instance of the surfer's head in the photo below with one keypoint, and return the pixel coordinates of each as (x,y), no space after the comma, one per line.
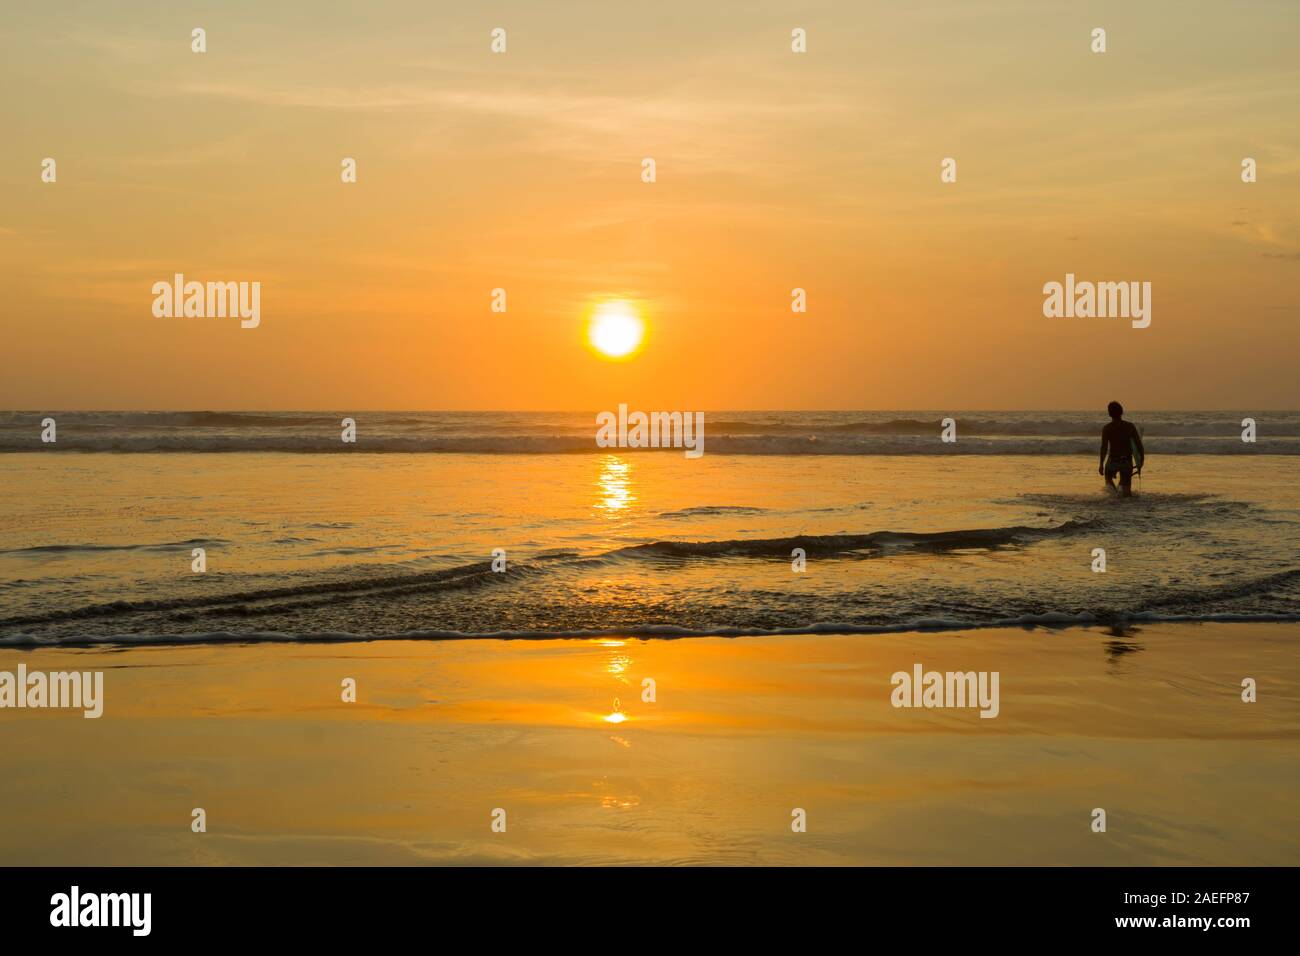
(1115,410)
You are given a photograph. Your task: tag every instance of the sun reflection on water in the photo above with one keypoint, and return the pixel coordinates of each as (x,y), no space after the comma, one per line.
(614,485)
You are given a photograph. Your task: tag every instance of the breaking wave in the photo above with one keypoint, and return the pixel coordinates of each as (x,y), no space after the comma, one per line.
(726,433)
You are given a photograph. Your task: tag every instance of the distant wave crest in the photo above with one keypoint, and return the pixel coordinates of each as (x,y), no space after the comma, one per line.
(726,433)
(715,444)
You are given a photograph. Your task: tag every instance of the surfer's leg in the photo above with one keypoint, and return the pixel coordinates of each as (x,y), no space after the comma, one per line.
(1126,480)
(1110,476)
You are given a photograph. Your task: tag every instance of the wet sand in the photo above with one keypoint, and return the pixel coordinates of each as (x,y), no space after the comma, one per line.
(1149,725)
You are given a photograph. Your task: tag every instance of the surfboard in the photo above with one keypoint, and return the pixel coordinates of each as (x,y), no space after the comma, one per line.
(1138,457)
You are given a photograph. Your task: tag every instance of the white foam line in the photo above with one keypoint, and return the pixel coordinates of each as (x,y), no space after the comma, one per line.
(1047,620)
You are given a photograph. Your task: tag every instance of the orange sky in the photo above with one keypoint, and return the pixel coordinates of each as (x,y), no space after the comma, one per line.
(775,170)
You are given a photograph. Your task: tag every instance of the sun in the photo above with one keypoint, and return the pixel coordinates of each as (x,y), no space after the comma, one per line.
(615,330)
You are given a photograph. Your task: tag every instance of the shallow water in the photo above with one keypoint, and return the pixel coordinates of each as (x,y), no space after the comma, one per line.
(99,545)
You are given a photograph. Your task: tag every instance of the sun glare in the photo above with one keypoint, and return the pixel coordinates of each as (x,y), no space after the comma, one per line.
(615,329)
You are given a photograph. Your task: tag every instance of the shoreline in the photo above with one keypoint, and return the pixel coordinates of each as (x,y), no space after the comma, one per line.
(1050,622)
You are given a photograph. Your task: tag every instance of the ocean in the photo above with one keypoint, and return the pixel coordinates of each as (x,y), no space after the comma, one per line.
(308,538)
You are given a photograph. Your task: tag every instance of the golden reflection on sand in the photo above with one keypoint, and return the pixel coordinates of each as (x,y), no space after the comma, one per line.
(616,716)
(617,664)
(741,731)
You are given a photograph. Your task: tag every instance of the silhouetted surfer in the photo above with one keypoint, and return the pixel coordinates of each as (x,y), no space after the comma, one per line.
(1121,451)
